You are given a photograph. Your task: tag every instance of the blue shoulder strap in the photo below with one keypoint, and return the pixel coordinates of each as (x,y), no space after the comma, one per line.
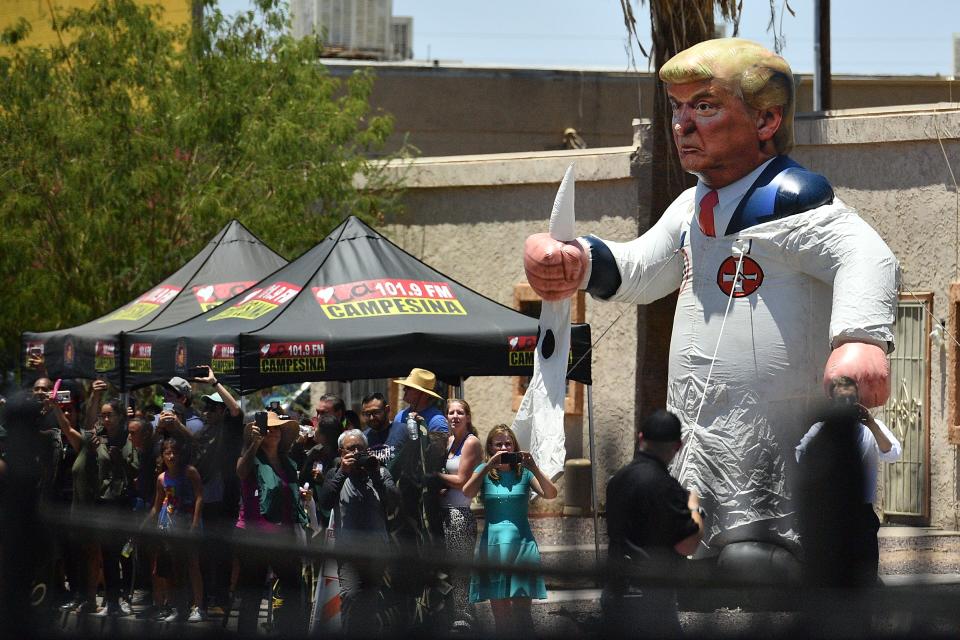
(783,189)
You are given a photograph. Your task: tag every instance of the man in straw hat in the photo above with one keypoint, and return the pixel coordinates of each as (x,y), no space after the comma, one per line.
(419,394)
(781,287)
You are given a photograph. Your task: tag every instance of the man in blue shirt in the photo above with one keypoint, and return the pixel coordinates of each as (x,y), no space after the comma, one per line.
(383,437)
(419,394)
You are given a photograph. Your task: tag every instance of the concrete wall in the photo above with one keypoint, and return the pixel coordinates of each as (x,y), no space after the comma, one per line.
(455,110)
(894,165)
(468,216)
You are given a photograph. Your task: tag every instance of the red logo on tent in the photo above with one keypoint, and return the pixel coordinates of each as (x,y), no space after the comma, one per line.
(742,285)
(293,357)
(291,349)
(161,295)
(141,357)
(223,358)
(211,295)
(105,355)
(522,343)
(521,350)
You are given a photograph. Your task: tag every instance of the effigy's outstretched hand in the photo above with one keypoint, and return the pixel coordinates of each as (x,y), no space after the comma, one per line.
(554,269)
(867,365)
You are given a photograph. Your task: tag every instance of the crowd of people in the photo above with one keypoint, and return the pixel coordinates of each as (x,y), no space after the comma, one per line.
(377,487)
(196,483)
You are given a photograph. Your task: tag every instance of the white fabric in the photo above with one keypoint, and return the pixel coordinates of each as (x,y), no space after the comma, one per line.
(870,454)
(827,277)
(539,420)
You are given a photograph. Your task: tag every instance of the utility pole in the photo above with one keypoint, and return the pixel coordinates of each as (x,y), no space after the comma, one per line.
(821,56)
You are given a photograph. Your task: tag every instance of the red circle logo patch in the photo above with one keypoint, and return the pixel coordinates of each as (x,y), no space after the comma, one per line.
(749,280)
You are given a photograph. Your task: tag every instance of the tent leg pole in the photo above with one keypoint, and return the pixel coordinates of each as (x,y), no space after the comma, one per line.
(463,394)
(593,474)
(348,391)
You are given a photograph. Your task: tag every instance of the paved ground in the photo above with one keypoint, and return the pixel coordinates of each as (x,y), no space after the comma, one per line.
(920,569)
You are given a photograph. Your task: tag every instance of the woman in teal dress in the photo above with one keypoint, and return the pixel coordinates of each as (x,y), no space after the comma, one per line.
(504,486)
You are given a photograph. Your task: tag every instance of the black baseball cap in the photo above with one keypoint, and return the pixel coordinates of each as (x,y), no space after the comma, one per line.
(661,426)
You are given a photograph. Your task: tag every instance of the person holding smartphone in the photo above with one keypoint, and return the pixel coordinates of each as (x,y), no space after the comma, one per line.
(876,444)
(504,484)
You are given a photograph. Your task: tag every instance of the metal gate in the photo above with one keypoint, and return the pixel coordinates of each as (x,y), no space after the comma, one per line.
(906,483)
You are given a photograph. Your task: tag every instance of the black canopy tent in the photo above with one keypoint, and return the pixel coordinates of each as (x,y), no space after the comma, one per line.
(232,261)
(355,306)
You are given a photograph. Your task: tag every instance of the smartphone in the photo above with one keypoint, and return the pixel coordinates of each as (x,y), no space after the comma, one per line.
(56,388)
(63,397)
(168,406)
(197,372)
(260,420)
(511,458)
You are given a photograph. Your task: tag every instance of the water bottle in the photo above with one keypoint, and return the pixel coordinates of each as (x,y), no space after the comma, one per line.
(127,550)
(413,430)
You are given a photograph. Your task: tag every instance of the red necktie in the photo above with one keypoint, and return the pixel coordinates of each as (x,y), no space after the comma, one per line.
(705,217)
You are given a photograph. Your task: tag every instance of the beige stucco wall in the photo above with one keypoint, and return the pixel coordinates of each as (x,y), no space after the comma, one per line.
(468,216)
(890,165)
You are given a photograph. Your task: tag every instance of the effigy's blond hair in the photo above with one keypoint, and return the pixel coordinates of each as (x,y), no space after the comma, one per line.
(759,77)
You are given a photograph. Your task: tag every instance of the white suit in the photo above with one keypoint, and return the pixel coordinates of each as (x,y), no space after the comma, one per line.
(807,281)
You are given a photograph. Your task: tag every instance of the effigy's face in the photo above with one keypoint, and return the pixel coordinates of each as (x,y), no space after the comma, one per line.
(715,133)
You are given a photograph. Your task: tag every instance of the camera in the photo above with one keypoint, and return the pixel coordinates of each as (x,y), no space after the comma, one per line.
(275,407)
(366,461)
(197,372)
(511,458)
(63,397)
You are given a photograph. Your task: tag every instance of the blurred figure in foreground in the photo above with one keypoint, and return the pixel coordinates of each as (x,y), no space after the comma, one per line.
(841,457)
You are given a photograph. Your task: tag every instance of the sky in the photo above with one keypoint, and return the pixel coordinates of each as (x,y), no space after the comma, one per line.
(885,37)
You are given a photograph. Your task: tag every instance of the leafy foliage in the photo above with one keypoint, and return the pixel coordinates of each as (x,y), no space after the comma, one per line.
(125,146)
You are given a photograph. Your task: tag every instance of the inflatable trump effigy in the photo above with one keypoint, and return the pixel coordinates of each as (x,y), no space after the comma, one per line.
(781,286)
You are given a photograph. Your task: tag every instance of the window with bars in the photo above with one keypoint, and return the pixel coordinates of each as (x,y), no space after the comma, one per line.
(906,483)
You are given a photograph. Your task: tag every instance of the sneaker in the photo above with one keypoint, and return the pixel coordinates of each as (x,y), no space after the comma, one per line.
(172,616)
(195,615)
(140,596)
(125,609)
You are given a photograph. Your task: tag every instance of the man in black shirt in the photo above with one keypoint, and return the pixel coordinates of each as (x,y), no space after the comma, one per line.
(652,523)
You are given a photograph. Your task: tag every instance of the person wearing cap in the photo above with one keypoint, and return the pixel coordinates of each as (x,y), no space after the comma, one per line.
(419,394)
(270,505)
(178,391)
(652,522)
(216,448)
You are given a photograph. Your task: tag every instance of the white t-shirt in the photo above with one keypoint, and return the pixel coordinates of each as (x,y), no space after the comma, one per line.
(870,454)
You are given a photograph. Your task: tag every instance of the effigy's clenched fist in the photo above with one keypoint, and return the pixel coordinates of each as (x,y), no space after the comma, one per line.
(867,364)
(554,269)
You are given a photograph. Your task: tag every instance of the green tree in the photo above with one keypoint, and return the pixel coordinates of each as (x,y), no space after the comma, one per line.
(127,145)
